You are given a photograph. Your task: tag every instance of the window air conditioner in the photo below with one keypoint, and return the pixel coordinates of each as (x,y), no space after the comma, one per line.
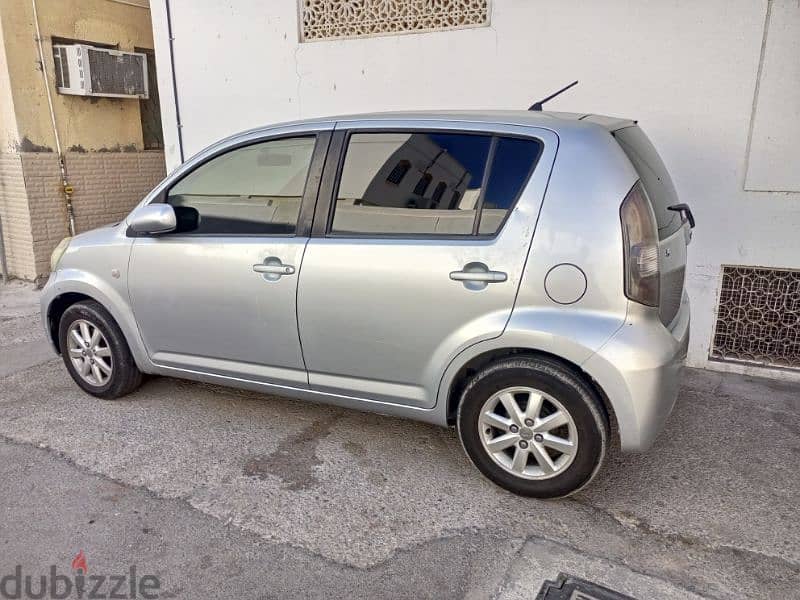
(88,71)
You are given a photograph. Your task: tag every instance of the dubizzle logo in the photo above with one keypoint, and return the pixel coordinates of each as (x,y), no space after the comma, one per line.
(79,563)
(79,585)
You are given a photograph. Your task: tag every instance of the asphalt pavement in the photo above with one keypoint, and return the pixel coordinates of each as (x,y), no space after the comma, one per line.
(220,493)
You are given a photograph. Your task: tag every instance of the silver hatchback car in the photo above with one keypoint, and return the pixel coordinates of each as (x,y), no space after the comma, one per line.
(516,274)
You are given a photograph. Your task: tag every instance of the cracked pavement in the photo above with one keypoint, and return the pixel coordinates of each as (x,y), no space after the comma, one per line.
(218,490)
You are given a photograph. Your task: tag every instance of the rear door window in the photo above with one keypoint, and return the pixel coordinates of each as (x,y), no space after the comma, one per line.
(655,178)
(410,183)
(430,183)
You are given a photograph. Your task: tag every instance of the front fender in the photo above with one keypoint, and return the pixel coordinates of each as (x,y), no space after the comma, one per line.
(77,281)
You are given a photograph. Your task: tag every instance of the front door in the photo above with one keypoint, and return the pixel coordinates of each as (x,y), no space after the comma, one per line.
(420,254)
(218,295)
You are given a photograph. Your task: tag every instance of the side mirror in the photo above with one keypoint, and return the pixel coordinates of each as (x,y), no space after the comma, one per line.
(153,218)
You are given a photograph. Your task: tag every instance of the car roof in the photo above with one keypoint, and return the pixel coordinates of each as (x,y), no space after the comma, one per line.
(559,122)
(549,119)
(509,117)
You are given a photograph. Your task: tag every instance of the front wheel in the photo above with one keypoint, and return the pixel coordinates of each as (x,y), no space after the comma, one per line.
(533,427)
(95,351)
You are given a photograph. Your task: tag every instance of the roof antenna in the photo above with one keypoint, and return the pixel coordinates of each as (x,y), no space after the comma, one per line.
(538,105)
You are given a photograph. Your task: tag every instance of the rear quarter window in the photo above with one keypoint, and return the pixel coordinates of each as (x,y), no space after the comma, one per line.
(514,161)
(655,178)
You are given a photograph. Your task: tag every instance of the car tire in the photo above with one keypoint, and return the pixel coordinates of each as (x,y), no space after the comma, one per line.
(532,393)
(105,367)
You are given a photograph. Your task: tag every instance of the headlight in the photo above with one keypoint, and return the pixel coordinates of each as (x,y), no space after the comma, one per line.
(58,252)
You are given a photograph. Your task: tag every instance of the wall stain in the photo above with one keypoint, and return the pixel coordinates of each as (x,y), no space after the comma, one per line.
(26,145)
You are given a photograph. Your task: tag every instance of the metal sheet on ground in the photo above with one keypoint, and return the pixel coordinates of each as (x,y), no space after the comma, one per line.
(567,587)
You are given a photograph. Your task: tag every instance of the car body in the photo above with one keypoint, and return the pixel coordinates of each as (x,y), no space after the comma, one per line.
(375,308)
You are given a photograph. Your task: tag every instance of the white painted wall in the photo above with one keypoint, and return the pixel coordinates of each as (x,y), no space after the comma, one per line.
(776,115)
(687,70)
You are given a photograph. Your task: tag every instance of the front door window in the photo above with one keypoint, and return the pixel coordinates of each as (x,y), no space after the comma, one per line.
(254,189)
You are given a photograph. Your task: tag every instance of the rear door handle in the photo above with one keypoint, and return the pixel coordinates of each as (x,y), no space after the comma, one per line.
(476,276)
(482,276)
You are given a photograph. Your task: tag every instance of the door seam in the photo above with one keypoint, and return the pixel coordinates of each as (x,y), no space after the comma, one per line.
(297,311)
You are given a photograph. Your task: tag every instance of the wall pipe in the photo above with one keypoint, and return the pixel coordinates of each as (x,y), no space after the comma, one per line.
(174,80)
(64,183)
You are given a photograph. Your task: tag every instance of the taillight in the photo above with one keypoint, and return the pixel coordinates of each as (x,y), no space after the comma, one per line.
(640,240)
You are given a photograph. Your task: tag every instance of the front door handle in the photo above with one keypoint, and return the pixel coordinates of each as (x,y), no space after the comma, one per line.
(273,268)
(476,276)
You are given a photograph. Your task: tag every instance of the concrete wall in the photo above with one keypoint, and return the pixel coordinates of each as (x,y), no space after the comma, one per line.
(775,127)
(8,121)
(92,123)
(697,76)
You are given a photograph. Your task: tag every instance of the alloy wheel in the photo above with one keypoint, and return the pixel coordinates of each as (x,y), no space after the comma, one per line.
(528,433)
(89,352)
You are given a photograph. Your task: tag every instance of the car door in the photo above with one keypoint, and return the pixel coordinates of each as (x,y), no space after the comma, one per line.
(420,238)
(218,294)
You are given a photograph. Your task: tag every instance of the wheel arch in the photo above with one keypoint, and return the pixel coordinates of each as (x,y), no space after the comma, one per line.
(70,287)
(57,308)
(475,363)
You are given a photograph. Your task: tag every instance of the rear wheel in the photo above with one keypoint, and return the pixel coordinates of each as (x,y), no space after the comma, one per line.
(533,427)
(95,351)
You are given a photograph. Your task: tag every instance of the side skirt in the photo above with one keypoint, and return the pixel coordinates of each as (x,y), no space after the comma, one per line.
(433,415)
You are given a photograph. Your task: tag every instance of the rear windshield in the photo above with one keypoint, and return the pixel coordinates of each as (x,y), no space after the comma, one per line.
(654,176)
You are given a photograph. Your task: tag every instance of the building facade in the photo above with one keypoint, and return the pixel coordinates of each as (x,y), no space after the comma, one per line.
(100,154)
(715,84)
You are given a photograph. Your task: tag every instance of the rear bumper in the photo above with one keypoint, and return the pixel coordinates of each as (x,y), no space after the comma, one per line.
(639,370)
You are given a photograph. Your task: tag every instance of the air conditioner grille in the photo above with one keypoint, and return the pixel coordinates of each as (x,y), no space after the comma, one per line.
(758,317)
(62,70)
(116,73)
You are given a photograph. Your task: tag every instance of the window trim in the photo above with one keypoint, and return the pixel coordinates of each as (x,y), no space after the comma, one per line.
(307,201)
(334,166)
(487,173)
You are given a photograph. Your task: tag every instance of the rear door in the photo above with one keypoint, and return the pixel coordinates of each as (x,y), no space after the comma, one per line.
(419,242)
(673,229)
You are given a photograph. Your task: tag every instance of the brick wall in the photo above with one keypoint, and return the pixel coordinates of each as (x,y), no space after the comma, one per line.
(106,186)
(48,214)
(17,237)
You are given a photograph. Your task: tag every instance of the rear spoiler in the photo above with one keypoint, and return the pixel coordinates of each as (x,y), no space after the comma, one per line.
(611,123)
